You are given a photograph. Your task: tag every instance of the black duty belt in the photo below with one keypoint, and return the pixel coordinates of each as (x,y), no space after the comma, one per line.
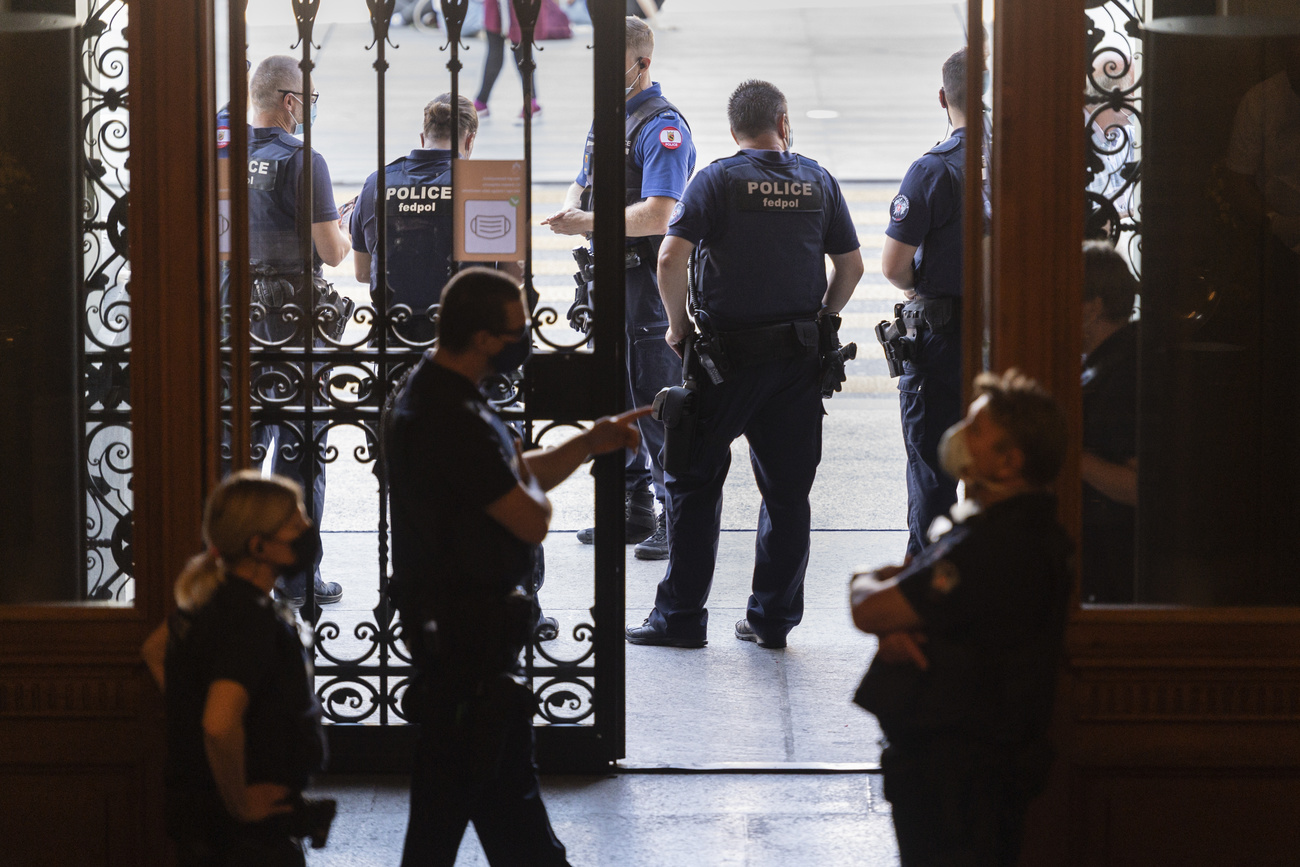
(778,342)
(940,315)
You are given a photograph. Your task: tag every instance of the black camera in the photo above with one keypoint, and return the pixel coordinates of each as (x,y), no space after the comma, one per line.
(898,346)
(311,819)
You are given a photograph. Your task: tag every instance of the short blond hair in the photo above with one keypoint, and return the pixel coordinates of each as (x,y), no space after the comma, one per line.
(640,38)
(278,72)
(242,507)
(1031,418)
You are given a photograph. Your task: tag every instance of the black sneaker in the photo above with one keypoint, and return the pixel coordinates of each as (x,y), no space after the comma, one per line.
(656,546)
(639,513)
(327,592)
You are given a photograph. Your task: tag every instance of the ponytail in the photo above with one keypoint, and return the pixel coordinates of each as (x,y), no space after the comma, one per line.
(200,578)
(242,507)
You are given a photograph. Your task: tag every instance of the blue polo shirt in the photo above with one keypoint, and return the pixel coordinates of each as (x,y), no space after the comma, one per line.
(926,214)
(664,150)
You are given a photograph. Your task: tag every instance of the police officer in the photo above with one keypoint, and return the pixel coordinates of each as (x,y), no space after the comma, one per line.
(469,515)
(922,256)
(282,293)
(417,199)
(970,639)
(660,159)
(1108,465)
(243,722)
(760,224)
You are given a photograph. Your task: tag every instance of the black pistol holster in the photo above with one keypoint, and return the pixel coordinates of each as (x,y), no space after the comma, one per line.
(274,289)
(899,346)
(582,310)
(833,353)
(677,408)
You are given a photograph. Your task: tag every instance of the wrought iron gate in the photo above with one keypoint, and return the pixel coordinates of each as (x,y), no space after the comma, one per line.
(284,396)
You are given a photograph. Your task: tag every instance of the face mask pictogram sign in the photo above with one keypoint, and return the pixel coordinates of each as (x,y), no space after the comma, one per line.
(489,197)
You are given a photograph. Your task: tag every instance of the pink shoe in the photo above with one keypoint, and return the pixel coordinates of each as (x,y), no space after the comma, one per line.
(481,108)
(537,109)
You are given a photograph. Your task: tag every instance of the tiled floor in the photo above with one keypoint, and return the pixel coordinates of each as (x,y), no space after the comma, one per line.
(653,820)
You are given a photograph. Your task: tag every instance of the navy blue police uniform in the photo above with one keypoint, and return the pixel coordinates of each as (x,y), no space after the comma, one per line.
(417,199)
(240,635)
(448,457)
(762,222)
(660,160)
(966,738)
(927,214)
(1110,377)
(275,165)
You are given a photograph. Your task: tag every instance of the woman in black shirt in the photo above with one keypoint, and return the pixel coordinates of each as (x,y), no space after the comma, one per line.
(243,722)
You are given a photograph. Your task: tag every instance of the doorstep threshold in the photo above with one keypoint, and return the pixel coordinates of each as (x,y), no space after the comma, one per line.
(632,767)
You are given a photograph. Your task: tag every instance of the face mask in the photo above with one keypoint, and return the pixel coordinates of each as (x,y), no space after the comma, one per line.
(305,548)
(954,452)
(627,91)
(298,129)
(513,355)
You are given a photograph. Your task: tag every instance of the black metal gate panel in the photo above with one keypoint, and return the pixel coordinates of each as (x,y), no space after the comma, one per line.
(287,388)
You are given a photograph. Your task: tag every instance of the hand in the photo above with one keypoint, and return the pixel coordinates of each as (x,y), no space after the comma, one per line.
(569,221)
(618,432)
(263,800)
(903,647)
(345,212)
(884,573)
(677,339)
(909,294)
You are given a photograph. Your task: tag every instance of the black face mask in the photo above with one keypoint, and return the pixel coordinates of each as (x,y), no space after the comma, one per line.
(513,355)
(305,548)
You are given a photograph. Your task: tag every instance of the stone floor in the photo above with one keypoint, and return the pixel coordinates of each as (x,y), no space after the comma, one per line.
(653,820)
(861,76)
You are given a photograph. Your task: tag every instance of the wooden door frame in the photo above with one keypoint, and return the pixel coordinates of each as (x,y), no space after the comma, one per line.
(78,712)
(1174,699)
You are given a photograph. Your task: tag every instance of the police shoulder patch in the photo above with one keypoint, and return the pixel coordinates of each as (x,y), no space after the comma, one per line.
(670,137)
(678,210)
(944,577)
(899,207)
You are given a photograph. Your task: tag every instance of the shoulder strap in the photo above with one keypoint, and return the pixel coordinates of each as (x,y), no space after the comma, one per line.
(645,112)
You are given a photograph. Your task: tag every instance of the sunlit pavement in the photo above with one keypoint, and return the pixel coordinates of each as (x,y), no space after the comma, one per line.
(869,70)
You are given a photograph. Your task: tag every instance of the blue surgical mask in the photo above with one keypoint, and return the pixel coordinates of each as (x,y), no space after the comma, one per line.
(298,129)
(513,355)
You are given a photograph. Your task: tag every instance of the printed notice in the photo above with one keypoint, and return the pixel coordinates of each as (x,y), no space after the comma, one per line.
(489,206)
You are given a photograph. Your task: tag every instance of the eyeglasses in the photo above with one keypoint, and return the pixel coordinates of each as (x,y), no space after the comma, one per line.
(314,96)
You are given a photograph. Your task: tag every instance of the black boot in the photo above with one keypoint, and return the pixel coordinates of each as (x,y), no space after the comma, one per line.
(639,511)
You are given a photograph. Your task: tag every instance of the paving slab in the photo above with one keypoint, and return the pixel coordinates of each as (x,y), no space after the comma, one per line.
(749,820)
(874,63)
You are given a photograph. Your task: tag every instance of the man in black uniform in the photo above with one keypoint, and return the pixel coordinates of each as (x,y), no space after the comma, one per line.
(417,198)
(922,256)
(970,637)
(660,159)
(469,514)
(1109,461)
(760,225)
(282,293)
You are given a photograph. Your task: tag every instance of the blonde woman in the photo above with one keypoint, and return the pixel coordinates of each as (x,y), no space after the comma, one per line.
(243,723)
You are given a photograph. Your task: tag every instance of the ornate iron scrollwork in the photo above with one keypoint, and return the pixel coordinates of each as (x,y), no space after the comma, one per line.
(1113,122)
(106,302)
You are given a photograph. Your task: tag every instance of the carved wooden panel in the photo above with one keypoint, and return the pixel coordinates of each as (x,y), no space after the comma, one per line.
(1188,696)
(68,697)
